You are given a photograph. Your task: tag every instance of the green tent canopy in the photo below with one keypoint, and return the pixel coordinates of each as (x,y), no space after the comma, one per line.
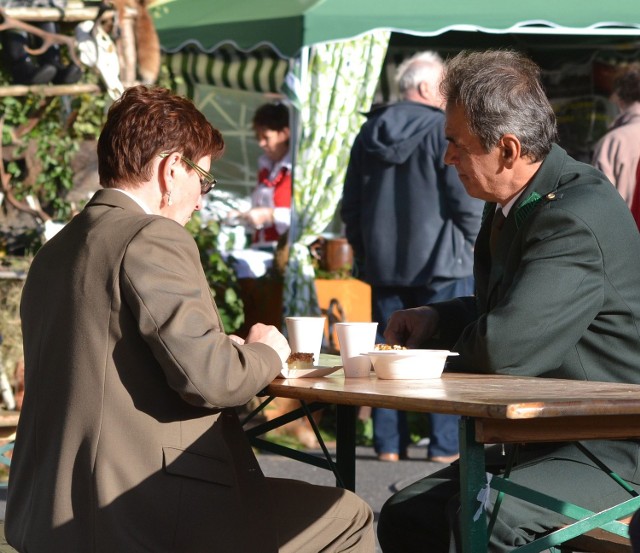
(250,44)
(289,25)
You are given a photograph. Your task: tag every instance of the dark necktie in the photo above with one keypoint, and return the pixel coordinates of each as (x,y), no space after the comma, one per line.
(496,227)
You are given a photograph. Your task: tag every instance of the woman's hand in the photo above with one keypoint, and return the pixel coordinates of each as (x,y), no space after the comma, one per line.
(233,217)
(259,217)
(271,336)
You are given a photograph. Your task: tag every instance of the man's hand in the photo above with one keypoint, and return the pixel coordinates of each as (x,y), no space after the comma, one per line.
(270,335)
(412,327)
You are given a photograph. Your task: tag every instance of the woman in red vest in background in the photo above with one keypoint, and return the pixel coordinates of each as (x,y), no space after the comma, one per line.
(270,213)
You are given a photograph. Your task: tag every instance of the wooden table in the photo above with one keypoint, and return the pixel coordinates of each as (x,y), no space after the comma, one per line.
(494,409)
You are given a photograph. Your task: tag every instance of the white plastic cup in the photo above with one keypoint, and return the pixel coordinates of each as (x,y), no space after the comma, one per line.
(305,335)
(355,340)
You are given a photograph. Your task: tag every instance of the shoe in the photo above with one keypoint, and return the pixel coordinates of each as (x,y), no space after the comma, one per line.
(392,457)
(389,457)
(446,459)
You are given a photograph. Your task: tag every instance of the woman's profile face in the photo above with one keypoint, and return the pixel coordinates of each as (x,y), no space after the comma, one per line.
(275,144)
(186,196)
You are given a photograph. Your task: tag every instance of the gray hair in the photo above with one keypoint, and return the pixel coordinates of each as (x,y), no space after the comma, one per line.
(501,93)
(423,66)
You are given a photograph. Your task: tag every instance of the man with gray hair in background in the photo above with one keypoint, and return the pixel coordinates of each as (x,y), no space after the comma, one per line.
(411,224)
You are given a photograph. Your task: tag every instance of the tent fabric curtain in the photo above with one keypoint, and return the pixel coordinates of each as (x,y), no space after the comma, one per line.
(336,83)
(260,70)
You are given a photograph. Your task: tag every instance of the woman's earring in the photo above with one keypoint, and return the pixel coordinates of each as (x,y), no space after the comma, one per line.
(169,202)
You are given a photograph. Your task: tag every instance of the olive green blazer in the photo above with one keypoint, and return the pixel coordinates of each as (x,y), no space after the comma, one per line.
(561,298)
(127,440)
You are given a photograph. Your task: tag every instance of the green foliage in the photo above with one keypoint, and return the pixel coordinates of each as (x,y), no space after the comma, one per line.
(63,122)
(364,432)
(345,272)
(220,276)
(91,114)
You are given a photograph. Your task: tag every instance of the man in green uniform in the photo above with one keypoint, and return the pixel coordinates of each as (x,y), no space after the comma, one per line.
(557,271)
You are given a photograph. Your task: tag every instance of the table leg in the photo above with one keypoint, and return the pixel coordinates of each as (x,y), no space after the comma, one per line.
(472,479)
(346,444)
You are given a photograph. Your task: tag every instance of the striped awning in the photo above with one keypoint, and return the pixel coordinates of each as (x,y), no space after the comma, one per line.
(260,70)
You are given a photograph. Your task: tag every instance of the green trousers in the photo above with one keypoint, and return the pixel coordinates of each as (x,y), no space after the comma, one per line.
(424,517)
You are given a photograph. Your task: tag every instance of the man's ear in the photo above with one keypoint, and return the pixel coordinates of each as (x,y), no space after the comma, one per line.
(423,88)
(511,149)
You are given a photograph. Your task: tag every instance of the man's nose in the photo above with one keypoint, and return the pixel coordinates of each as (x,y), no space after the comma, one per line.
(449,156)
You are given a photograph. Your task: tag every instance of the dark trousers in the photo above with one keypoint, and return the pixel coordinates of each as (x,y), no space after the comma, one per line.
(634,532)
(425,515)
(390,428)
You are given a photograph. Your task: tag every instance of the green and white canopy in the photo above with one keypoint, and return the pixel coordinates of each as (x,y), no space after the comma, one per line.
(289,25)
(249,43)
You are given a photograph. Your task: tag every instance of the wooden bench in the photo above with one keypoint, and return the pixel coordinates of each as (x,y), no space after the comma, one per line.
(599,541)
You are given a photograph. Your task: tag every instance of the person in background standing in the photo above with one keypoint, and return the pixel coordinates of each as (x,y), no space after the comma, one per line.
(618,151)
(270,213)
(411,224)
(269,217)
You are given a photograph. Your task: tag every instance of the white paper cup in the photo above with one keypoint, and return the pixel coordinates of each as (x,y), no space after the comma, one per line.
(305,335)
(356,339)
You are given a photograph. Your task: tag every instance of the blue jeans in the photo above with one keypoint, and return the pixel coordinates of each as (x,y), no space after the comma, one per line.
(390,428)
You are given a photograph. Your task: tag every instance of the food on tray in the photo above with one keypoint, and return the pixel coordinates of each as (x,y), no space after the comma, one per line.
(300,360)
(387,347)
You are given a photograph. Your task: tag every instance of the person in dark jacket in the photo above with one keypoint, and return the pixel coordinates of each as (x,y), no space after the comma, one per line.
(411,224)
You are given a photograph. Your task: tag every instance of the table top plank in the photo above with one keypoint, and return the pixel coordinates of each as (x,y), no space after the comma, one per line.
(596,427)
(474,395)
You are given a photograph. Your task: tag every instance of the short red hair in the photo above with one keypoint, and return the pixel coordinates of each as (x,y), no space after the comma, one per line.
(145,122)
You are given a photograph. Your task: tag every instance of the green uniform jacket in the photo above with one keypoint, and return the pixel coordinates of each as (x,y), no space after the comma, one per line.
(562,297)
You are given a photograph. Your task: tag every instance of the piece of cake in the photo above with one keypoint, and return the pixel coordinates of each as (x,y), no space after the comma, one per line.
(300,360)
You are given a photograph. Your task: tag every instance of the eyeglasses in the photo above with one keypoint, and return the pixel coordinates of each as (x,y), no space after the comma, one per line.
(207,180)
